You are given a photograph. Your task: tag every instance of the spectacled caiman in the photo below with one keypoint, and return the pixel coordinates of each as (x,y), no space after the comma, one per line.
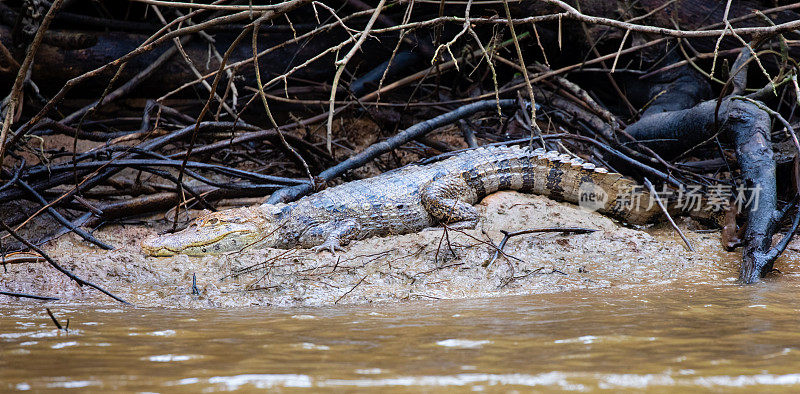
(410,199)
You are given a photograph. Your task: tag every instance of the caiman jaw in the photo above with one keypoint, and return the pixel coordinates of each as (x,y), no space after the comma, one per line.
(204,237)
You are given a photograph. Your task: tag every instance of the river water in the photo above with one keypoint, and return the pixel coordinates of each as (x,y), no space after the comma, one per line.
(720,337)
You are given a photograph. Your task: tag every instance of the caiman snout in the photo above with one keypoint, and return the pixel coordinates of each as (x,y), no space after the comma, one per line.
(219,232)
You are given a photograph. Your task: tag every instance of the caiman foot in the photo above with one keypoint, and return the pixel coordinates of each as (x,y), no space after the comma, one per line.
(331,244)
(333,233)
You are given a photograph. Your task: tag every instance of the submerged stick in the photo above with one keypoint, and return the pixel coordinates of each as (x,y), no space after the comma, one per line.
(55,321)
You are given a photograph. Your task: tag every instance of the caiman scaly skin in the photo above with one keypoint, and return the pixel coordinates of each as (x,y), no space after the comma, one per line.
(406,200)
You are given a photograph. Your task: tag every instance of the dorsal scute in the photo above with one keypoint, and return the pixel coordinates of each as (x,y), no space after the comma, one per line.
(611,176)
(549,156)
(505,149)
(552,155)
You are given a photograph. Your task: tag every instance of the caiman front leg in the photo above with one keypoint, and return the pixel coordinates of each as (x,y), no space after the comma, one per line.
(450,200)
(330,236)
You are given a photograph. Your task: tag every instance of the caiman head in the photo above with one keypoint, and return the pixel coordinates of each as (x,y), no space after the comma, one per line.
(220,232)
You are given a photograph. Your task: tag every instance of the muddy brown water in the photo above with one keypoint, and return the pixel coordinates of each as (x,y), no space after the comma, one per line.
(721,337)
(620,309)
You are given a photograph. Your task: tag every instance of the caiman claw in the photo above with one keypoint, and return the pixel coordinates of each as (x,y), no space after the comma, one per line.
(331,244)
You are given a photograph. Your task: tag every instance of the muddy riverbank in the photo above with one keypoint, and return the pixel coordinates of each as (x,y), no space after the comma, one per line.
(422,266)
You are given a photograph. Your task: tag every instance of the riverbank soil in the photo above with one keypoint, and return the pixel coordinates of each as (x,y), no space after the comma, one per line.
(432,264)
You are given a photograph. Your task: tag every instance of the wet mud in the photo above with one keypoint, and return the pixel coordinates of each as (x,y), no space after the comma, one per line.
(432,264)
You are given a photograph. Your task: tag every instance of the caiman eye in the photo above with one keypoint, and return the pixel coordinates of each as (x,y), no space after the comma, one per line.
(202,222)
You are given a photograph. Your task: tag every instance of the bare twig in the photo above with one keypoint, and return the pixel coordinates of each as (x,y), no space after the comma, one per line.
(342,63)
(266,104)
(508,235)
(22,75)
(289,194)
(528,87)
(55,265)
(655,195)
(351,289)
(25,295)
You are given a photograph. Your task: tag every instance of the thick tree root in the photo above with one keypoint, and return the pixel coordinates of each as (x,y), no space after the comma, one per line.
(677,131)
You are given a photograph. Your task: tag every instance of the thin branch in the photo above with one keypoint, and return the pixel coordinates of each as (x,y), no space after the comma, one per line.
(375,150)
(655,195)
(24,295)
(528,87)
(508,235)
(243,8)
(342,63)
(22,75)
(55,265)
